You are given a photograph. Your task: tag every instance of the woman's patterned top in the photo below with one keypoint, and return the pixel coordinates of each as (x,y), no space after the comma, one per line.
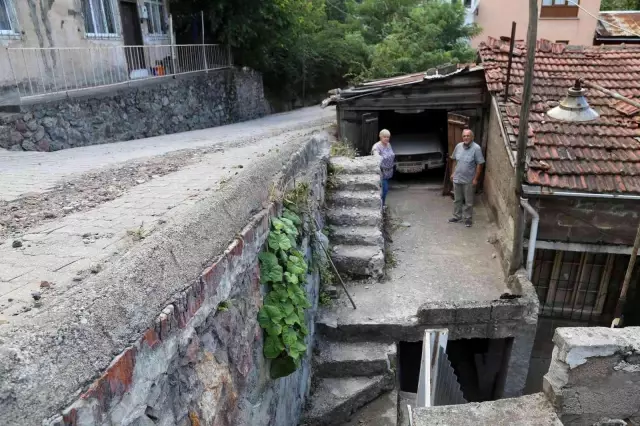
(388,158)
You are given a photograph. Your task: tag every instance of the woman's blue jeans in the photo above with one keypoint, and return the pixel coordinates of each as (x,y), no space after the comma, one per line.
(385,190)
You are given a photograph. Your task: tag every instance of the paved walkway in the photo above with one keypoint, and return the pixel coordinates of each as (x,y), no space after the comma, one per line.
(435,260)
(67,250)
(36,172)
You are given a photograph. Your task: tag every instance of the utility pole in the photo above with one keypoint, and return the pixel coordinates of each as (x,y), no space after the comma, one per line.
(523,130)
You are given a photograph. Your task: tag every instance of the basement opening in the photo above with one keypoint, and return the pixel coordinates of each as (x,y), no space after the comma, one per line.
(480,366)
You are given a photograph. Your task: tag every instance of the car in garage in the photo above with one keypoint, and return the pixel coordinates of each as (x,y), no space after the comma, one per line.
(418,152)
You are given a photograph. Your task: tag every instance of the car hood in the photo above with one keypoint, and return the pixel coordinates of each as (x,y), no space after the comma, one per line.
(416,144)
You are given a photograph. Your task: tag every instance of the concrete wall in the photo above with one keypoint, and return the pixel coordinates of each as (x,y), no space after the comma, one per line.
(497,319)
(495,17)
(591,221)
(61,23)
(179,360)
(498,185)
(595,375)
(156,107)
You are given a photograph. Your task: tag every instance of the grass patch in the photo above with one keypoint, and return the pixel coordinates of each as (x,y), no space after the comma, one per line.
(390,260)
(325,299)
(224,305)
(343,149)
(138,234)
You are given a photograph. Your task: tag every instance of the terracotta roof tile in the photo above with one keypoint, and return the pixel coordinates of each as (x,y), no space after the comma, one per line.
(598,156)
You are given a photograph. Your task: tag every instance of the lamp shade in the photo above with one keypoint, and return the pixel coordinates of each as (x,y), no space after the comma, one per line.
(574,107)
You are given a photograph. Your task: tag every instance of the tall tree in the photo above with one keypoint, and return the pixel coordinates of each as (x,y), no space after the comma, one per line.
(430,34)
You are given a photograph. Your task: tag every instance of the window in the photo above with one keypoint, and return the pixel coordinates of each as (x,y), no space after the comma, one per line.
(155,9)
(7,22)
(99,18)
(559,9)
(573,285)
(562,41)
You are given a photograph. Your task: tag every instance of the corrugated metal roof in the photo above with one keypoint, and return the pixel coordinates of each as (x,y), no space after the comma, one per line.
(598,156)
(614,24)
(375,86)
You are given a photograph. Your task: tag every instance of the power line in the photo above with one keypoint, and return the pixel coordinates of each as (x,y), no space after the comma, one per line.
(602,20)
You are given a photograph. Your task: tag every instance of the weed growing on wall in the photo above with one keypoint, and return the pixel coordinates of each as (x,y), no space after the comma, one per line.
(283,269)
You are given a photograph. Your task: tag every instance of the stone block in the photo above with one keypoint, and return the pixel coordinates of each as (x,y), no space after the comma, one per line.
(437,313)
(469,331)
(505,310)
(473,312)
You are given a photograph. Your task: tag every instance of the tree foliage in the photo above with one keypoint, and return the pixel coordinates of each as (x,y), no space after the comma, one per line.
(314,45)
(620,5)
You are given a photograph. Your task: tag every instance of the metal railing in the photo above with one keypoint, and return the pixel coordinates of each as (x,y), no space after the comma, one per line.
(45,71)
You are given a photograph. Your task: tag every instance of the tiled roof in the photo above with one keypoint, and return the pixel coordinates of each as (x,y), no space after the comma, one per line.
(613,24)
(600,156)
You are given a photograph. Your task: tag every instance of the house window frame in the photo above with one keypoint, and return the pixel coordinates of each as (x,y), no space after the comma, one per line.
(114,17)
(566,10)
(10,10)
(579,273)
(157,16)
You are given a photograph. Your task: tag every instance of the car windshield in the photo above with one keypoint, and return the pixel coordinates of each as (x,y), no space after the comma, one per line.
(412,144)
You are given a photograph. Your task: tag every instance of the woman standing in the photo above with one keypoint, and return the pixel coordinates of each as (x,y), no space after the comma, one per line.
(384,152)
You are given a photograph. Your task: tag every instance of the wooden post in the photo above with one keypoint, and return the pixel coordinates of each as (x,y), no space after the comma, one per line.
(523,129)
(510,63)
(627,279)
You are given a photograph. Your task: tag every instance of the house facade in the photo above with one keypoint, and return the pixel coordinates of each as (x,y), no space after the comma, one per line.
(582,179)
(559,20)
(77,40)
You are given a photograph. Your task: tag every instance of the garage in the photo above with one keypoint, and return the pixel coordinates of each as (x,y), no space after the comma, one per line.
(425,113)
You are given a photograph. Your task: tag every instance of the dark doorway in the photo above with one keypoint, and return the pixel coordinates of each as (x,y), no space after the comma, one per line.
(481,366)
(132,35)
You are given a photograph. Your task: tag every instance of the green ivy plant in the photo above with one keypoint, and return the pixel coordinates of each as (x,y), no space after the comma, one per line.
(284,270)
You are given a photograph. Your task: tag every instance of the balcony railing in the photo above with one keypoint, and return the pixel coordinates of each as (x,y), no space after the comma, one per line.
(45,71)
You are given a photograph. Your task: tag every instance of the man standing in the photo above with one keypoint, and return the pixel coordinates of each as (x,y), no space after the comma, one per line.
(467,166)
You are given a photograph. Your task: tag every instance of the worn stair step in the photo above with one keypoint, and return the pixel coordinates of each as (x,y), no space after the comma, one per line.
(356,235)
(345,182)
(359,261)
(355,166)
(336,399)
(340,359)
(369,199)
(351,216)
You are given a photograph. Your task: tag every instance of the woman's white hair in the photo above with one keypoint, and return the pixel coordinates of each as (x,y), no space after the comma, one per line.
(384,133)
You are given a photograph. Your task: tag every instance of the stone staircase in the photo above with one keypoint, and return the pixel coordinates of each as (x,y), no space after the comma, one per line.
(347,375)
(355,217)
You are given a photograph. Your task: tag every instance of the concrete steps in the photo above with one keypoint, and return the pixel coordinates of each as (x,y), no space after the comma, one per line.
(355,166)
(363,198)
(334,400)
(357,235)
(366,182)
(342,359)
(359,261)
(350,216)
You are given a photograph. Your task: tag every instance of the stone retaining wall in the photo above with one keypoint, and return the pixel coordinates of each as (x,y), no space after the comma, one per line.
(200,364)
(142,109)
(154,345)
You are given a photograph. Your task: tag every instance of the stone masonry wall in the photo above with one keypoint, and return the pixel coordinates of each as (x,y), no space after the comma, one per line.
(498,183)
(595,375)
(143,109)
(203,365)
(493,319)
